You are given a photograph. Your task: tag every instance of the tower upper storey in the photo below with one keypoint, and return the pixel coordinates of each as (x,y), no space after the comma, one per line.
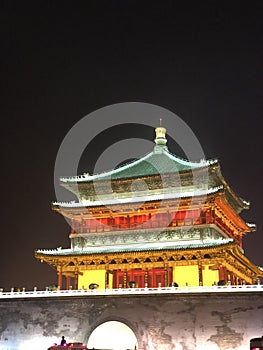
(161,172)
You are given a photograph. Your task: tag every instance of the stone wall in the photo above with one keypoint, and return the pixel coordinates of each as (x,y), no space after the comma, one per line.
(165,322)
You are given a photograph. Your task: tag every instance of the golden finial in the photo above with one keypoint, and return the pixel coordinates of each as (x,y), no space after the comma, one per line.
(160,138)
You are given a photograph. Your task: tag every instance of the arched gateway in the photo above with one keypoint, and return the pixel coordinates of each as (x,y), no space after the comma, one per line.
(113,335)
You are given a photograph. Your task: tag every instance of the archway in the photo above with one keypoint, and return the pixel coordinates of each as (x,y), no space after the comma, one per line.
(113,335)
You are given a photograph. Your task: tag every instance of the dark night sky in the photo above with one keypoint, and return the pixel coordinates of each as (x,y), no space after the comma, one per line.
(61,61)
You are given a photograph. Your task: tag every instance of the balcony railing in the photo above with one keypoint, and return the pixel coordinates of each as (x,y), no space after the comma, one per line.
(130,291)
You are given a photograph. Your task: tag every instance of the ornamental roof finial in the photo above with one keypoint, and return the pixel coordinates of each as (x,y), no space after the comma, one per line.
(160,138)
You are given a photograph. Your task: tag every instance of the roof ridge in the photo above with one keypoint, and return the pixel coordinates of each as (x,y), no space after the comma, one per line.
(181,162)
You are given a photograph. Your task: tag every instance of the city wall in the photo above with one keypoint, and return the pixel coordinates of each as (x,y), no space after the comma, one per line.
(165,322)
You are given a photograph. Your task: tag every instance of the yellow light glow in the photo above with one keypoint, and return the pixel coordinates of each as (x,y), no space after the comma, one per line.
(93,276)
(113,335)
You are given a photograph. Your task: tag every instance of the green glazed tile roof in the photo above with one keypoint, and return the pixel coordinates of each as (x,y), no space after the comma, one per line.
(160,161)
(140,199)
(136,247)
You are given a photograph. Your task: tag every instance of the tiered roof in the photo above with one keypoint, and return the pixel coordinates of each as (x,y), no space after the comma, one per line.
(139,247)
(159,170)
(160,162)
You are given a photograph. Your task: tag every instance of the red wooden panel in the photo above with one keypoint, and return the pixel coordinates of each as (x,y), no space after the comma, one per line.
(118,279)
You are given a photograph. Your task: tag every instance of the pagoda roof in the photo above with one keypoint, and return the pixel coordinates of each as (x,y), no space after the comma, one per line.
(159,161)
(187,193)
(154,164)
(138,247)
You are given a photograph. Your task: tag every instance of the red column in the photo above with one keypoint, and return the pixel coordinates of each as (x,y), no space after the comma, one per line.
(170,276)
(76,281)
(165,277)
(231,277)
(200,273)
(125,279)
(222,273)
(146,277)
(107,279)
(68,282)
(60,278)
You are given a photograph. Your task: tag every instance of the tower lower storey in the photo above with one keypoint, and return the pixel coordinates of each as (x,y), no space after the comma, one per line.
(192,275)
(202,258)
(154,269)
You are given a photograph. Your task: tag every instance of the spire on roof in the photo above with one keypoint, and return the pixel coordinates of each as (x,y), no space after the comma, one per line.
(160,138)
